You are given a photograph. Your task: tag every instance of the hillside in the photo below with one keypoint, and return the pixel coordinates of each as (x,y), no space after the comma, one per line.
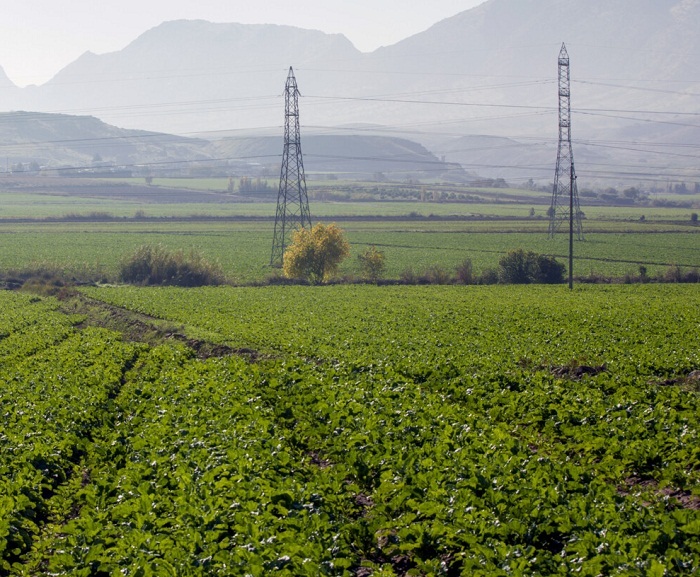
(351,156)
(86,142)
(64,142)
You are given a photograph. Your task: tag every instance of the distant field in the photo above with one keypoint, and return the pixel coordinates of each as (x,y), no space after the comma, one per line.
(98,224)
(127,198)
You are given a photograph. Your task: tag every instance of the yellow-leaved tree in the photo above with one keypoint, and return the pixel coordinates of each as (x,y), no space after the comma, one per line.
(315,253)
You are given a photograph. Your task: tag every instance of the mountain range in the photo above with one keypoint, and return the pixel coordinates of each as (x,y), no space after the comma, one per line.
(479,88)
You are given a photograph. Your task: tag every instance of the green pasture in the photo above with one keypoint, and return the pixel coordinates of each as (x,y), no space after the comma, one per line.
(243,248)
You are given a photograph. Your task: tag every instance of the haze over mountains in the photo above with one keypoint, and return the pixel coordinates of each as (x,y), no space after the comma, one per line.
(491,70)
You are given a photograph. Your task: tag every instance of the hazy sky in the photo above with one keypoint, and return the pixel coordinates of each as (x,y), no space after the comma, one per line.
(39,37)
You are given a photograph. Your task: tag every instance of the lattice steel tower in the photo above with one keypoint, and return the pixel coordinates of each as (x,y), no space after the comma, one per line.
(292,200)
(565,206)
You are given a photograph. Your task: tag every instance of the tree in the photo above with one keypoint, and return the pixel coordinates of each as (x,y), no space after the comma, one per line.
(631,193)
(315,253)
(549,270)
(516,267)
(247,184)
(372,263)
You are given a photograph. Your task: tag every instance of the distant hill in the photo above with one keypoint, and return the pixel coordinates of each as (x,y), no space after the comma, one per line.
(351,156)
(89,145)
(86,142)
(491,70)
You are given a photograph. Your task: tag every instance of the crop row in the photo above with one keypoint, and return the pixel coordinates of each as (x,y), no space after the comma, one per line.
(457,419)
(54,385)
(385,430)
(637,330)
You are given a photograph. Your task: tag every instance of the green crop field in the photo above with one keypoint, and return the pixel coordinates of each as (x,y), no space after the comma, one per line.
(351,430)
(243,248)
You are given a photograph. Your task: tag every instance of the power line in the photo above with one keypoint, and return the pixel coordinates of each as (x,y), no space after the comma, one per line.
(640,88)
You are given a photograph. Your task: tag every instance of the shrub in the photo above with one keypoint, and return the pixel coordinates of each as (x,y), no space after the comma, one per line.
(465,272)
(673,274)
(49,274)
(156,265)
(692,276)
(436,274)
(488,276)
(372,263)
(520,267)
(549,270)
(408,276)
(517,267)
(595,278)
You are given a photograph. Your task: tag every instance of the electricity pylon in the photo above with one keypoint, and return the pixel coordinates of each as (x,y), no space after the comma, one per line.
(292,200)
(565,205)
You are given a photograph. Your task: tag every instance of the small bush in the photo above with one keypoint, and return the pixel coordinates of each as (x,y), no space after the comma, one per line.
(465,272)
(47,277)
(692,276)
(372,263)
(673,274)
(549,270)
(408,276)
(595,278)
(517,267)
(488,276)
(436,274)
(156,265)
(520,267)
